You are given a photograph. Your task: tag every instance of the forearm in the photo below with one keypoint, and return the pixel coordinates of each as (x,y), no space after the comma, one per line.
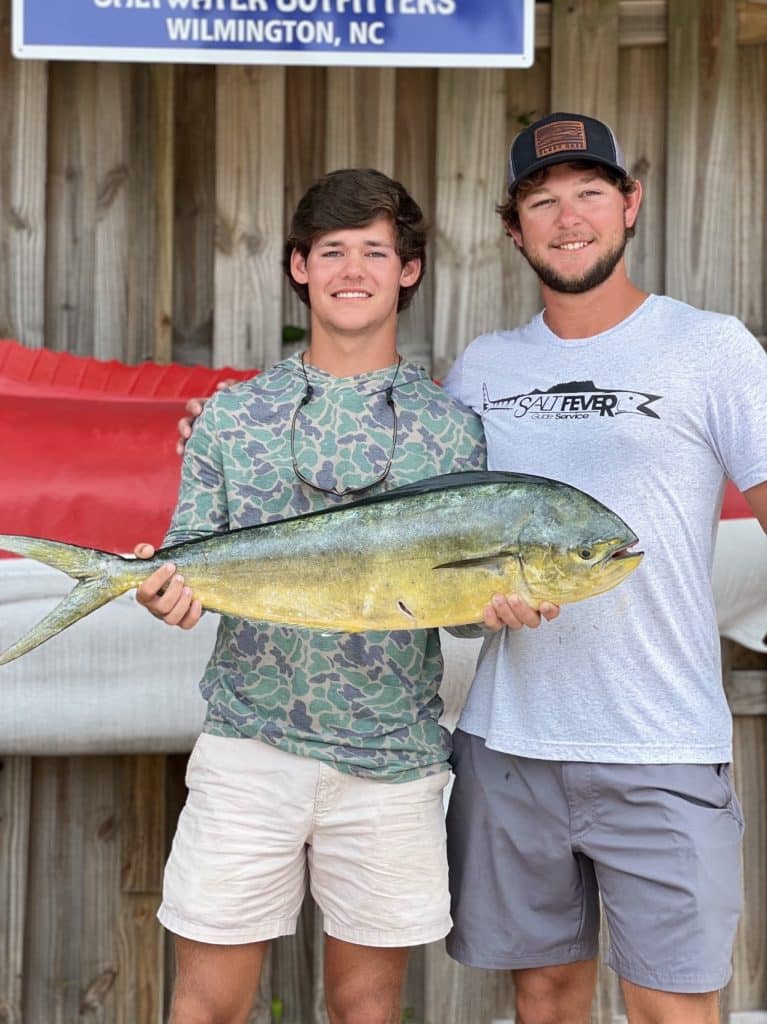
(202,507)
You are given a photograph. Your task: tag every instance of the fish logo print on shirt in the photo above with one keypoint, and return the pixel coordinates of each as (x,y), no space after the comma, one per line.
(574,400)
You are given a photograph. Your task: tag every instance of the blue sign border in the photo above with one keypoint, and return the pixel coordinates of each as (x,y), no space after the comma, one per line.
(382,33)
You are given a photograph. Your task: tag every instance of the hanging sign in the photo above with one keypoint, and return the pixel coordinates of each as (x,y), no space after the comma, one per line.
(415,33)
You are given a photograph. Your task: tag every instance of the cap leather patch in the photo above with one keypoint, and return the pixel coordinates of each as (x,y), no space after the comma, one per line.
(559,137)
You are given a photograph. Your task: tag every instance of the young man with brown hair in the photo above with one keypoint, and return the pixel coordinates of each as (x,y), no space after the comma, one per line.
(321,754)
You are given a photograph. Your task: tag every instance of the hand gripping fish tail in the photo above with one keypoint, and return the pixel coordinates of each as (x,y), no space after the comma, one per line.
(424,555)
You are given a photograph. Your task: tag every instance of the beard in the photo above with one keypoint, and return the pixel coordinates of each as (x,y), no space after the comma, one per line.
(577,285)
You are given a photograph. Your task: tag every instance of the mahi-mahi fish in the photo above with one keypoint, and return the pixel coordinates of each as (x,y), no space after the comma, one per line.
(427,554)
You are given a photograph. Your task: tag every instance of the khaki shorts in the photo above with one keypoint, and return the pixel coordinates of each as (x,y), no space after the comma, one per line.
(534,844)
(257,818)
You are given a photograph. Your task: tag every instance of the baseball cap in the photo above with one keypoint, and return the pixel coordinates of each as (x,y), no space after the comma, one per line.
(560,138)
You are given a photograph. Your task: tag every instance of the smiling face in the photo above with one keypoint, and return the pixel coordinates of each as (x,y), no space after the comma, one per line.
(354,276)
(572,228)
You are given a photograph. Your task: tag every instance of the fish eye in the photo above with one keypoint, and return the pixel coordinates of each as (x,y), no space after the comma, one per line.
(585,553)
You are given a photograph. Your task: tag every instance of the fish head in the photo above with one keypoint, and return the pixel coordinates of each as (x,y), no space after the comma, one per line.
(574,547)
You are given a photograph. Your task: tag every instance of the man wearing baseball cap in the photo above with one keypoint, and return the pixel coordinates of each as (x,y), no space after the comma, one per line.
(592,758)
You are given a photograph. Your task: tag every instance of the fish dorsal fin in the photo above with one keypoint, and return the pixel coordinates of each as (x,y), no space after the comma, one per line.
(446,482)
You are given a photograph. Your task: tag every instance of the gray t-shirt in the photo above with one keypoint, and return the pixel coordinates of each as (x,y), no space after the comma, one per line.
(650,417)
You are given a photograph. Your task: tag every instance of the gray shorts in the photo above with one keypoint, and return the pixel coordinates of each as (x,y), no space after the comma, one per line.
(533,844)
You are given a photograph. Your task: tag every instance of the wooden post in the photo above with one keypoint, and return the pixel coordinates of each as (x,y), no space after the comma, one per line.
(749,169)
(641,131)
(748,988)
(702,122)
(194,224)
(74,873)
(140,976)
(527,99)
(292,968)
(163,101)
(465,995)
(584,58)
(24,89)
(414,157)
(746,689)
(752,22)
(468,275)
(357,133)
(112,227)
(71,208)
(305,130)
(15,798)
(250,168)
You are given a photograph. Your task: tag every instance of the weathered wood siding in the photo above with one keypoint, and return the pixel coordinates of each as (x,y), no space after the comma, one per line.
(142,211)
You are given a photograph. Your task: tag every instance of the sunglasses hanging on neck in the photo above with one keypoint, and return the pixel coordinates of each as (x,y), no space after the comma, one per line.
(305,400)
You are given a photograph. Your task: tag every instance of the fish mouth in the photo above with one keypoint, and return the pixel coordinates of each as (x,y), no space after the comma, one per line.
(622,553)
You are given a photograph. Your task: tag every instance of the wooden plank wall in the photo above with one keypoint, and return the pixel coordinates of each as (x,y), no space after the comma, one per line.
(142,212)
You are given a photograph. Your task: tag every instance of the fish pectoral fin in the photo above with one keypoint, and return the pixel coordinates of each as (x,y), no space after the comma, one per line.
(490,560)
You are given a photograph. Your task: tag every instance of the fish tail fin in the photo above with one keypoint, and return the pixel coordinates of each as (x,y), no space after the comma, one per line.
(100,576)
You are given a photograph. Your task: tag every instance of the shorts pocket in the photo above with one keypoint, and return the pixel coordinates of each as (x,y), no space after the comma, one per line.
(194,760)
(718,791)
(724,773)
